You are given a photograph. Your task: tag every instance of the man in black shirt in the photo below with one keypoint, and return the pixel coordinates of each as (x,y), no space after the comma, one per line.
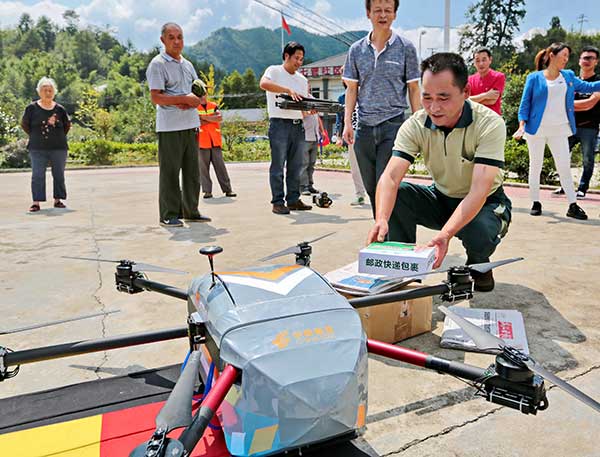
(587,117)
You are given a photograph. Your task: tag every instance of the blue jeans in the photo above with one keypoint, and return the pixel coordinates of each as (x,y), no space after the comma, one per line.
(39,161)
(587,137)
(286,138)
(373,146)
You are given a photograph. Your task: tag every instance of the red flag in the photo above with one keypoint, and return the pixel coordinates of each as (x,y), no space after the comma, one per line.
(285,25)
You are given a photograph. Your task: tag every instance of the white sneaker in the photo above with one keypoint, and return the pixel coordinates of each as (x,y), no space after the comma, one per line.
(580,195)
(358,202)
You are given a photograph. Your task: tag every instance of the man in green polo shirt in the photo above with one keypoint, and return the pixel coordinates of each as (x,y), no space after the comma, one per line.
(462,145)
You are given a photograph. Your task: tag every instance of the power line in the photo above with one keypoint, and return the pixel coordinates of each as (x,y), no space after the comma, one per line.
(324,20)
(341,39)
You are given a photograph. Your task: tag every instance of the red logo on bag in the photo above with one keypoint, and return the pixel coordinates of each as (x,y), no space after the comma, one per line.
(505,330)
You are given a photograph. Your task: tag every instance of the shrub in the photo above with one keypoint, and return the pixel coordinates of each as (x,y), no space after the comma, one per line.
(103,152)
(516,159)
(15,155)
(248,152)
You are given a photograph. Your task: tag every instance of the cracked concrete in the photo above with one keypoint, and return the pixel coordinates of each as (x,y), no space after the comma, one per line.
(112,214)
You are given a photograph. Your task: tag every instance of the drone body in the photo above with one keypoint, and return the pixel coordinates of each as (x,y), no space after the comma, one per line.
(301,350)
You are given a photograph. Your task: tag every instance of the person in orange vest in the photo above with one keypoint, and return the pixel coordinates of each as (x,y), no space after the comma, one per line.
(209,149)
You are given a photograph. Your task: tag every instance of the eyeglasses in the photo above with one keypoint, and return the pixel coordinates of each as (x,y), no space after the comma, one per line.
(588,58)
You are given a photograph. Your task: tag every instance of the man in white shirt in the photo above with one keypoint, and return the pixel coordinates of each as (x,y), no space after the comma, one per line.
(286,133)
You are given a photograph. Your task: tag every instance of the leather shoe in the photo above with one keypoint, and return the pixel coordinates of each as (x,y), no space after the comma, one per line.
(230,194)
(299,206)
(198,218)
(208,195)
(281,209)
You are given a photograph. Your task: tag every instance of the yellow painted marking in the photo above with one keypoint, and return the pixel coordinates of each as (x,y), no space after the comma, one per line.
(308,332)
(233,395)
(271,275)
(328,329)
(77,438)
(361,415)
(297,335)
(282,340)
(318,331)
(263,439)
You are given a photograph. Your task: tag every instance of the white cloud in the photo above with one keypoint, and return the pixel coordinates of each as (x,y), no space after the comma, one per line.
(10,12)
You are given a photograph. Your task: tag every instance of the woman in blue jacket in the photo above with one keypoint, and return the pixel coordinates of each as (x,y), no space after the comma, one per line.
(547,116)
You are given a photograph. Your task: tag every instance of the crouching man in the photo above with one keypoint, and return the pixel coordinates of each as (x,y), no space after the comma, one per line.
(462,145)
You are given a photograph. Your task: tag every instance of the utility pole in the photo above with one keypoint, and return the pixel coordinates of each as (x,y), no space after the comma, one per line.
(581,19)
(421,33)
(447,26)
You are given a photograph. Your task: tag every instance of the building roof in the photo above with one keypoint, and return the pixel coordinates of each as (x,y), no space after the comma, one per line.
(331,61)
(245,114)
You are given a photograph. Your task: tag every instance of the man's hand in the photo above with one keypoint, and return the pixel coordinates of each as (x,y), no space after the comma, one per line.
(440,243)
(348,134)
(378,232)
(519,133)
(191,100)
(297,97)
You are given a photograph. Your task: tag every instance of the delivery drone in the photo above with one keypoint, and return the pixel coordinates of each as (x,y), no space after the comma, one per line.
(283,356)
(284,101)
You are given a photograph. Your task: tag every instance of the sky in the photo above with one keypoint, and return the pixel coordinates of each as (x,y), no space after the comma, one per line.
(140,21)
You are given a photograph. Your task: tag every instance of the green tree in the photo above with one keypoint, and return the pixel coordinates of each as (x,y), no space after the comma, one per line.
(250,86)
(492,23)
(47,32)
(233,85)
(72,19)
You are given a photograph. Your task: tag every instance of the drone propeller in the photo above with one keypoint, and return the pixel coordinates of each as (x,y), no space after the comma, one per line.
(294,249)
(135,266)
(486,341)
(177,411)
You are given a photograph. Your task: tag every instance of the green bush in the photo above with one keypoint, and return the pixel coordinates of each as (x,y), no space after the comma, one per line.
(15,155)
(516,159)
(248,152)
(104,152)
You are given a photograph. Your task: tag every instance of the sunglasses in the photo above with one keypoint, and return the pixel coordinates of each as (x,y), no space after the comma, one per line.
(589,58)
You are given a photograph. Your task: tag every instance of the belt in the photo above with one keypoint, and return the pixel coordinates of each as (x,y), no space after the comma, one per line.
(292,121)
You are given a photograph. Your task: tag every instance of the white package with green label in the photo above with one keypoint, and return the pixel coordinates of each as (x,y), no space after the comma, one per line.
(392,258)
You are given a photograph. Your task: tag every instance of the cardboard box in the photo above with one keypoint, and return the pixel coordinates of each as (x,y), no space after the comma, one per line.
(395,259)
(396,321)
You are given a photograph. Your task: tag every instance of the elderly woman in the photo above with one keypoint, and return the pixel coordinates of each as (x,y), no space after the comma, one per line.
(47,124)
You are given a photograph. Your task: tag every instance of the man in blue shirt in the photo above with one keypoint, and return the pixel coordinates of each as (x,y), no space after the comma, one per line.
(380,69)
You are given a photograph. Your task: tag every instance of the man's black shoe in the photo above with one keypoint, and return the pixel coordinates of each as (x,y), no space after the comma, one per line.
(230,194)
(536,209)
(299,206)
(281,209)
(312,190)
(576,212)
(207,195)
(198,218)
(171,223)
(484,282)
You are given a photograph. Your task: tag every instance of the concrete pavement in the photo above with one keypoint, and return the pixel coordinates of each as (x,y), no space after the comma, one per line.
(112,214)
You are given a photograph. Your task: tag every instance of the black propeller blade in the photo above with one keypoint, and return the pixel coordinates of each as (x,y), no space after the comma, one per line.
(488,266)
(486,341)
(135,266)
(293,249)
(177,411)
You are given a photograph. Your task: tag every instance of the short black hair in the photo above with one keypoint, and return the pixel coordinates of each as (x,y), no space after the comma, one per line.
(291,48)
(447,61)
(482,49)
(593,49)
(396,5)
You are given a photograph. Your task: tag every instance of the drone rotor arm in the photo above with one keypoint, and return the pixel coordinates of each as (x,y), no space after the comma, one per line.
(488,266)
